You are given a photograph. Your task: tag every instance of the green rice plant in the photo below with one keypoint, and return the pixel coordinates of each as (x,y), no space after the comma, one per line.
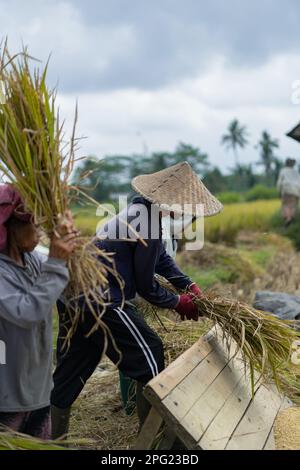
(36,159)
(255,215)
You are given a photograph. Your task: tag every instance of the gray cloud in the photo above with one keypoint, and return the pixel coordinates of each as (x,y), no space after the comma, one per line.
(160,71)
(101,45)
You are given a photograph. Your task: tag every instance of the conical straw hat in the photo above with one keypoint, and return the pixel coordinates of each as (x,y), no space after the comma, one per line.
(178,185)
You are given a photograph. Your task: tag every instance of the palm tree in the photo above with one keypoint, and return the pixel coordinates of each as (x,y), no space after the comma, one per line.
(266,147)
(236,138)
(198,160)
(242,177)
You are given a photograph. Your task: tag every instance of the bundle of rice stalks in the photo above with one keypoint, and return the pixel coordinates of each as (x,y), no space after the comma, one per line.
(290,383)
(178,336)
(10,440)
(265,342)
(38,162)
(14,441)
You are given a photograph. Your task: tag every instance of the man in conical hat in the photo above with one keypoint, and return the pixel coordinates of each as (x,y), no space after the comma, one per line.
(135,238)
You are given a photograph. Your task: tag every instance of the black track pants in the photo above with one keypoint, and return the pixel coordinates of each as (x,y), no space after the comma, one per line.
(141,348)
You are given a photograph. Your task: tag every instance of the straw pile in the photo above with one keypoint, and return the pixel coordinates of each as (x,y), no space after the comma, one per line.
(38,162)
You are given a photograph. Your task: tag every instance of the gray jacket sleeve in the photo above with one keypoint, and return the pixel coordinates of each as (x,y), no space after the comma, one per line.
(279,181)
(24,309)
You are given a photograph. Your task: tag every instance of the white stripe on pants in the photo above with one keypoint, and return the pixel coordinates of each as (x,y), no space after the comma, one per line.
(139,339)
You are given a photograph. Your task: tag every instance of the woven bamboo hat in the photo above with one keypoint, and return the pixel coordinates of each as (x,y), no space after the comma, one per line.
(178,185)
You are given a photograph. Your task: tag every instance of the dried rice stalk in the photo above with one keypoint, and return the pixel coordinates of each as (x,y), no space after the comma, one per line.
(265,341)
(36,160)
(10,440)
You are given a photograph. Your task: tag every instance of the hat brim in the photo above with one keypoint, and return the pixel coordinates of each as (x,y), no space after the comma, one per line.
(178,187)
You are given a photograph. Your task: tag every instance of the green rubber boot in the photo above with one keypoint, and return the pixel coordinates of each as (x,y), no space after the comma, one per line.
(60,419)
(142,405)
(128,394)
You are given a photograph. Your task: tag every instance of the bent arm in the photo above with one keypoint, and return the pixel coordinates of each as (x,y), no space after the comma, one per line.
(24,309)
(167,268)
(145,261)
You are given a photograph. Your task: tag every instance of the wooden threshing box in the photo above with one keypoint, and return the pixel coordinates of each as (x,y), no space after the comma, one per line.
(204,398)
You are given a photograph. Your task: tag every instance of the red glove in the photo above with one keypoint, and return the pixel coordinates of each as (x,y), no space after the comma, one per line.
(186,308)
(195,290)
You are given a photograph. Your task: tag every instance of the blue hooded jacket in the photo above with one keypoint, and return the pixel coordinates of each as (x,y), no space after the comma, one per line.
(138,262)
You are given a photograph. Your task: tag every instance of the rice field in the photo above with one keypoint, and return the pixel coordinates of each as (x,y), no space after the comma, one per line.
(255,216)
(225,226)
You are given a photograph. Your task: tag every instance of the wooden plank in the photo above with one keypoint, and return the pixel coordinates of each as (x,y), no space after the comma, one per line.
(149,430)
(254,428)
(168,439)
(226,420)
(205,409)
(270,444)
(169,419)
(188,392)
(168,379)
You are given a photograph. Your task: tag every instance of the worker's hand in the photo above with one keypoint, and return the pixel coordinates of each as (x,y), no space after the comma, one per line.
(63,247)
(65,238)
(66,224)
(195,290)
(186,308)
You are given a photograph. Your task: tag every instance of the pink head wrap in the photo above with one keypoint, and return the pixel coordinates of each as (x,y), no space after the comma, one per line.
(11,204)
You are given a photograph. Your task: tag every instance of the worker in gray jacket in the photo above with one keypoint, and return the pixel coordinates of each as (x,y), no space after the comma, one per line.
(288,185)
(29,289)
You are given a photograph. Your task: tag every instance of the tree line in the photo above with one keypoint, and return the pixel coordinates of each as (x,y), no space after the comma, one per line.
(111,175)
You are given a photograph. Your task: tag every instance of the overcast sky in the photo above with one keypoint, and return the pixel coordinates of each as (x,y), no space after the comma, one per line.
(151,73)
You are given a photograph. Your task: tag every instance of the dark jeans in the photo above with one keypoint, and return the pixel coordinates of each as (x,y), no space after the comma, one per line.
(35,423)
(142,352)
